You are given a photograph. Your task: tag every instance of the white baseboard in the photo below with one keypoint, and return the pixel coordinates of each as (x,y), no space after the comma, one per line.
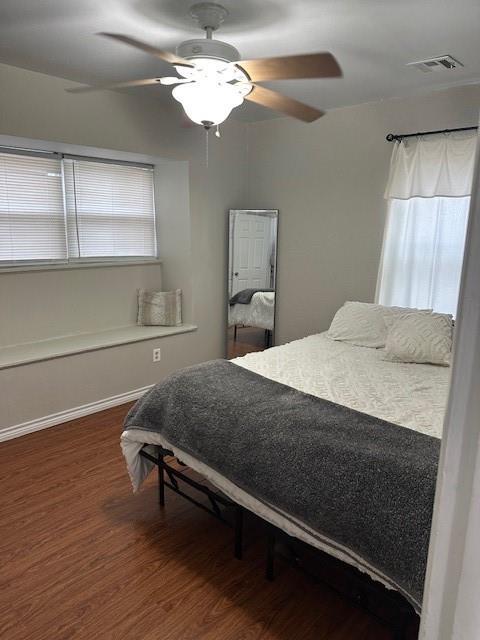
(70,414)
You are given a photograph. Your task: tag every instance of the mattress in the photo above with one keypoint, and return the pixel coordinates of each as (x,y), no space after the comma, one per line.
(259,313)
(411,395)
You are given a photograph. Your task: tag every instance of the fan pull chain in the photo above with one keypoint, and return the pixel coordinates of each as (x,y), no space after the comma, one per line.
(206,148)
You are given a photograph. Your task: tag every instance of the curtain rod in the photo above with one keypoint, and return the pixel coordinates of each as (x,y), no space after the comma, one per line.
(399,136)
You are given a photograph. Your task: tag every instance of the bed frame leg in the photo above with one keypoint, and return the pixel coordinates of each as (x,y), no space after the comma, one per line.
(269,569)
(235,332)
(161,481)
(268,338)
(238,532)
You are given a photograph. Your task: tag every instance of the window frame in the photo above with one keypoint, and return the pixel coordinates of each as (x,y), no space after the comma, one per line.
(26,146)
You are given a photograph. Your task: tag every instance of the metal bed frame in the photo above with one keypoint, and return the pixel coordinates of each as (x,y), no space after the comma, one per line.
(387,606)
(215,499)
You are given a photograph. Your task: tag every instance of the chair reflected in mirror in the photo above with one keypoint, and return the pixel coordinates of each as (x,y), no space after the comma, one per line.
(252,267)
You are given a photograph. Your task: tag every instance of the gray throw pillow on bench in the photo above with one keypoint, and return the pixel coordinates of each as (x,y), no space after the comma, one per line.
(159,307)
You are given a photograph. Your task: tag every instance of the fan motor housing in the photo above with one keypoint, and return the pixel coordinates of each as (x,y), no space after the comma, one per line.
(203,48)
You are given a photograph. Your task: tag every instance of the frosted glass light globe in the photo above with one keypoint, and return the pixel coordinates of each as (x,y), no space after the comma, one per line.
(208,103)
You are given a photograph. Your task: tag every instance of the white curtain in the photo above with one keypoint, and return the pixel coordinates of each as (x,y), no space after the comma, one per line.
(432,165)
(423,253)
(428,194)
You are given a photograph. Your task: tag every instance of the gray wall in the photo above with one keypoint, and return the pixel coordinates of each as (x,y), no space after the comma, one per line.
(327,180)
(45,304)
(39,304)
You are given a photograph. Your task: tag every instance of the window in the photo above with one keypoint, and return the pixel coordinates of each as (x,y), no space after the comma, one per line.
(61,208)
(32,216)
(423,253)
(428,195)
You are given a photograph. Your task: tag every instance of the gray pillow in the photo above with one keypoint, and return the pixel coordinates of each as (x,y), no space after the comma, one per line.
(159,307)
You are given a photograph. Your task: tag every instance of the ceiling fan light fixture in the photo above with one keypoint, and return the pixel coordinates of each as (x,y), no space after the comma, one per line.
(213,79)
(208,103)
(212,70)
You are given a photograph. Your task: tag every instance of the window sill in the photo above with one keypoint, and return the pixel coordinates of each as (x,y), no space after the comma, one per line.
(77,265)
(26,353)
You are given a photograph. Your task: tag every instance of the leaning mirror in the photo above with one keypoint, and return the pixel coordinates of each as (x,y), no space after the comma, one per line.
(252,267)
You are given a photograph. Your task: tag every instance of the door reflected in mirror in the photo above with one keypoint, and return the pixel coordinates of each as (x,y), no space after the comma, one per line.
(252,271)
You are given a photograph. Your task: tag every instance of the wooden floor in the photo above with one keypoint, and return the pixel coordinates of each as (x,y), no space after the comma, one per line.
(248,339)
(81,557)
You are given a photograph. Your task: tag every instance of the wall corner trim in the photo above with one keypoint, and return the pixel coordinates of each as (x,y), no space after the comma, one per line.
(54,419)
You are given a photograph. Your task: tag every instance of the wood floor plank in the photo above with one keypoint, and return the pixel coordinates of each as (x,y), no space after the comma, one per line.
(82,557)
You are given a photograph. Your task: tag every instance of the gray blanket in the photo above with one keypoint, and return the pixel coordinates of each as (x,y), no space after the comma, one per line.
(364,484)
(245,295)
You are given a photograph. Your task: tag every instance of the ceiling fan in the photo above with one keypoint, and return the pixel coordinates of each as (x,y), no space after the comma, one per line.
(213,80)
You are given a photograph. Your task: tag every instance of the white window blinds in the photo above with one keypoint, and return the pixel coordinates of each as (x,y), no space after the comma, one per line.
(110,209)
(69,208)
(32,216)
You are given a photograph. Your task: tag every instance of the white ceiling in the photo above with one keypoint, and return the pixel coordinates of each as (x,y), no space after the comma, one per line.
(372,40)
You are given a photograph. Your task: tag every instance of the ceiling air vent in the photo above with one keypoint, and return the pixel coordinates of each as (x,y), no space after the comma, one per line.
(441,63)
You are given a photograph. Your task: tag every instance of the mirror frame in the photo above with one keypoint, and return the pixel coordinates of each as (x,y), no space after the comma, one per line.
(271,213)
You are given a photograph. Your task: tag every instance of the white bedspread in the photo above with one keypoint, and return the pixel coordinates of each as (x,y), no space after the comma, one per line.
(412,395)
(259,313)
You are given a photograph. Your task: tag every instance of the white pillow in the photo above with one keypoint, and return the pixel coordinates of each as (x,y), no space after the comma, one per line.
(423,338)
(363,323)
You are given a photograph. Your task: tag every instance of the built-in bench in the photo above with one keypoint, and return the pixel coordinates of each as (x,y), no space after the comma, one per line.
(25,353)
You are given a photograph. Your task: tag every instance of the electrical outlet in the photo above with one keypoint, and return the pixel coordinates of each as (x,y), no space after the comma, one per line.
(157,356)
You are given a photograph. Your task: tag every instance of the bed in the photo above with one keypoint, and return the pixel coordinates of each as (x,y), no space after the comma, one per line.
(345,377)
(259,312)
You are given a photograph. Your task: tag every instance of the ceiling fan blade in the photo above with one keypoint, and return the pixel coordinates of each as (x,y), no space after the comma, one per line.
(148,48)
(117,85)
(283,104)
(309,65)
